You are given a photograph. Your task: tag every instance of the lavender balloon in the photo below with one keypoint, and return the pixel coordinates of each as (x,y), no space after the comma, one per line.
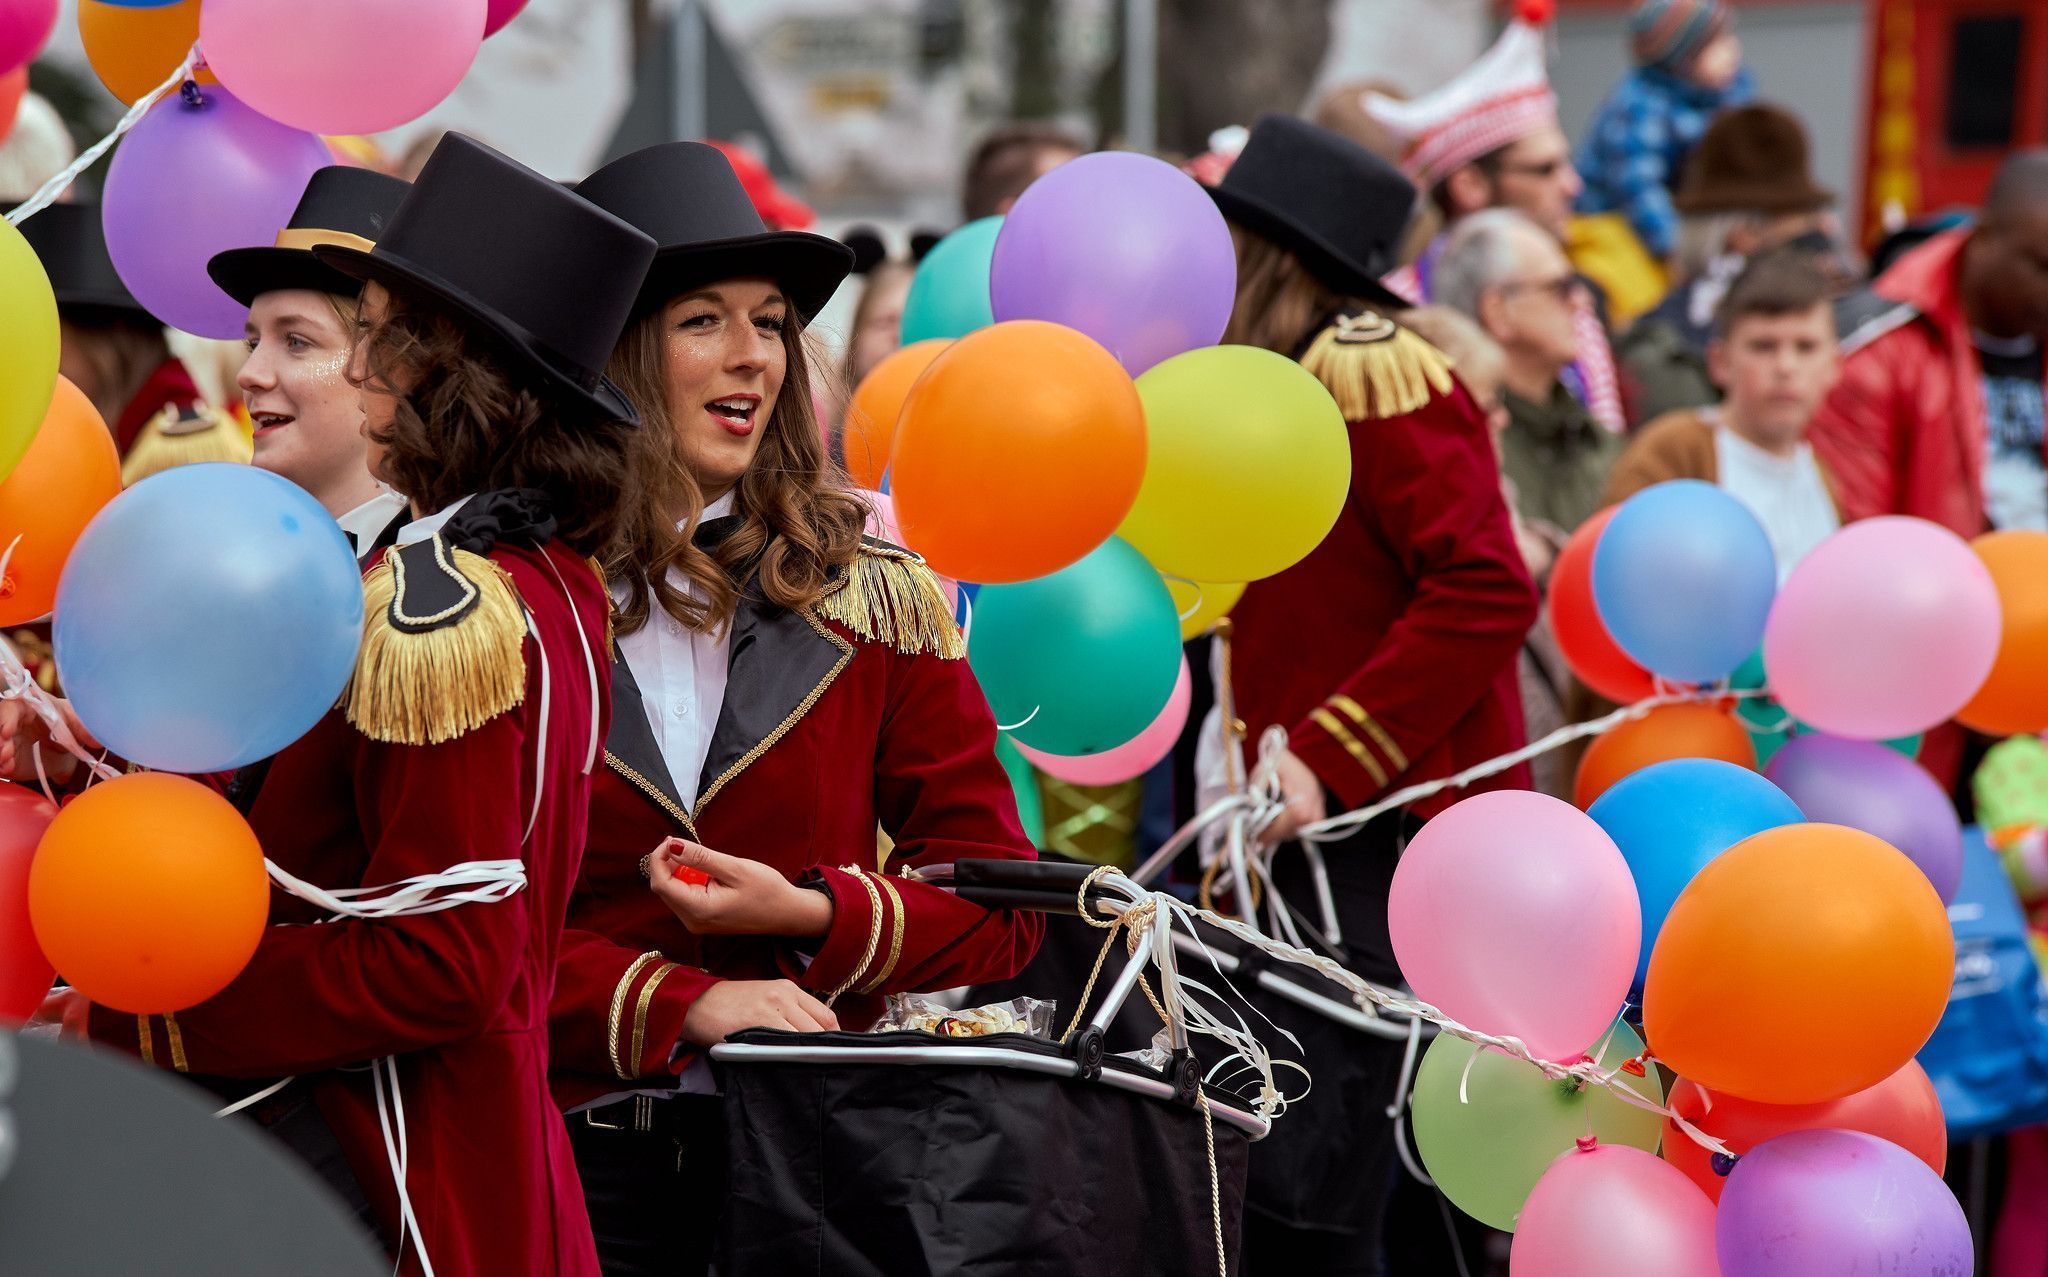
(1866,785)
(1839,1204)
(1123,247)
(189,181)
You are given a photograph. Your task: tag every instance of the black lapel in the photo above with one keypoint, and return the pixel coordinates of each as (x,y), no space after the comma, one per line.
(777,660)
(631,739)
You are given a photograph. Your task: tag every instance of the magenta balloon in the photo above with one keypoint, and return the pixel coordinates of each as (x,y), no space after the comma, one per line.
(1837,1204)
(24,27)
(500,13)
(1872,787)
(1614,1211)
(190,181)
(356,67)
(1123,247)
(1886,629)
(1134,757)
(1516,914)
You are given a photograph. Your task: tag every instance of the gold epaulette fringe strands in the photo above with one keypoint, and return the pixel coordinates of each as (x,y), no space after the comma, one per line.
(890,596)
(1375,369)
(428,686)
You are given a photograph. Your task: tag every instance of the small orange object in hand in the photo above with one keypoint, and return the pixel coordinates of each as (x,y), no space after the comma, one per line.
(690,875)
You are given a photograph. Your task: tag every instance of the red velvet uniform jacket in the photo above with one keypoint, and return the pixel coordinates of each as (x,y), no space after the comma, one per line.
(1389,652)
(459,997)
(823,735)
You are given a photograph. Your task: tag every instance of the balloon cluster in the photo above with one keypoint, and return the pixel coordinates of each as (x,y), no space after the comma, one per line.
(1061,427)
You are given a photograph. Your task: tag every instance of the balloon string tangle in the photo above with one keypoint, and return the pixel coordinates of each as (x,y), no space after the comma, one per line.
(48,192)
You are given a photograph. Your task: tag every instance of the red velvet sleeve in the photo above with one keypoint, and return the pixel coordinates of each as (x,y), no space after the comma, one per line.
(618,1012)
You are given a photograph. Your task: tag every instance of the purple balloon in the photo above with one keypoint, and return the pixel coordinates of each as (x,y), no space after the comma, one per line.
(189,181)
(1123,247)
(1839,1204)
(1869,786)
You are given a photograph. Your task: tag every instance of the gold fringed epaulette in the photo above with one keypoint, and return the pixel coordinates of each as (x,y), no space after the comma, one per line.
(181,436)
(1374,368)
(442,635)
(889,596)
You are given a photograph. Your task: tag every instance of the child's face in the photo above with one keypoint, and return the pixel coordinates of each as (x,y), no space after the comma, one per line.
(1716,65)
(1776,370)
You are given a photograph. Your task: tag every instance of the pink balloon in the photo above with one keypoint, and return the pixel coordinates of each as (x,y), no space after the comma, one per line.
(882,526)
(1886,629)
(500,13)
(1516,914)
(1134,757)
(356,67)
(1614,1211)
(24,26)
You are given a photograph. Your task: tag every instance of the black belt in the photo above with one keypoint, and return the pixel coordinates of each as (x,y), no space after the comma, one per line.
(674,1115)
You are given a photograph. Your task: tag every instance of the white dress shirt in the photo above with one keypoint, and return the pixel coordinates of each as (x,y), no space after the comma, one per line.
(371,517)
(1787,495)
(421,529)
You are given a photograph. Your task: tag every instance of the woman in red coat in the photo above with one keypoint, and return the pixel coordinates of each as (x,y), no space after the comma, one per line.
(783,688)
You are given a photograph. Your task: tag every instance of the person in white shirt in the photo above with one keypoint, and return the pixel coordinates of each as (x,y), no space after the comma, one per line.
(1775,357)
(302,323)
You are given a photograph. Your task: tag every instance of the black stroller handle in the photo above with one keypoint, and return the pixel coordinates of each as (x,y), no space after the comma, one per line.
(1047,886)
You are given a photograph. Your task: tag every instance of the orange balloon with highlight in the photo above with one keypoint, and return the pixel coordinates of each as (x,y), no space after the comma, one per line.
(878,403)
(69,471)
(2014,697)
(148,893)
(1702,730)
(133,50)
(1017,453)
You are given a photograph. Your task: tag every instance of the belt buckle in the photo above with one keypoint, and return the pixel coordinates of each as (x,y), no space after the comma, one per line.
(640,1123)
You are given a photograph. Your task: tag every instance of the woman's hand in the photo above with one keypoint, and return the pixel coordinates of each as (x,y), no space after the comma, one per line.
(1301,798)
(731,1005)
(69,1011)
(21,728)
(720,895)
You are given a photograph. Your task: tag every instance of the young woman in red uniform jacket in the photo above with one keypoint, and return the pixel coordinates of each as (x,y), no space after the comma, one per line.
(1387,655)
(783,689)
(469,734)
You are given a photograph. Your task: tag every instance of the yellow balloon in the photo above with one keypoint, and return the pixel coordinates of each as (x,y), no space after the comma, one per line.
(1202,603)
(1246,468)
(28,358)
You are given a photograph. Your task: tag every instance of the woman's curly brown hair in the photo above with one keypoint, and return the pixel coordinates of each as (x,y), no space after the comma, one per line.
(475,421)
(800,520)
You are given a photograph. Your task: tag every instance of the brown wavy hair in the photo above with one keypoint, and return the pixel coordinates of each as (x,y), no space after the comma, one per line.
(475,420)
(1280,302)
(800,520)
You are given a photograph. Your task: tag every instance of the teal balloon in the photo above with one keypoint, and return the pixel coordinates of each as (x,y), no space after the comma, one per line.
(1024,783)
(1082,660)
(949,294)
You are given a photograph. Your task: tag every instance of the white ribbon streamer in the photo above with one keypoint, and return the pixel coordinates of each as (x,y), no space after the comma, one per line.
(48,192)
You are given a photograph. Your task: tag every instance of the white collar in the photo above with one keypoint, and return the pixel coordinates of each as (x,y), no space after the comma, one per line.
(421,529)
(372,516)
(718,509)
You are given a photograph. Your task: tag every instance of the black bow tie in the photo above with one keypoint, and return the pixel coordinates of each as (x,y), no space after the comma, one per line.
(712,533)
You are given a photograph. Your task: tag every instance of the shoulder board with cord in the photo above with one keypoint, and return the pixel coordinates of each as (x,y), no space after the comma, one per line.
(1375,369)
(182,434)
(443,633)
(888,595)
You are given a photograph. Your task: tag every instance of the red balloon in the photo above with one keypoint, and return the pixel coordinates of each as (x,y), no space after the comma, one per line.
(25,974)
(1903,1109)
(1582,637)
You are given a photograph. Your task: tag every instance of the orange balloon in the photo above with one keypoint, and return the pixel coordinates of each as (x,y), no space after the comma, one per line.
(1806,963)
(1017,453)
(12,86)
(134,50)
(877,403)
(1903,1109)
(1702,730)
(2014,698)
(148,893)
(69,471)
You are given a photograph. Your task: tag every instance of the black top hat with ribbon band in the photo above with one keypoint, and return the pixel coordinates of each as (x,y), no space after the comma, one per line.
(73,249)
(343,206)
(686,195)
(1326,199)
(550,274)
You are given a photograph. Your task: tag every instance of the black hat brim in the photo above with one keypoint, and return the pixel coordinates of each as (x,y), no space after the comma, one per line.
(808,268)
(602,398)
(247,273)
(105,301)
(1334,268)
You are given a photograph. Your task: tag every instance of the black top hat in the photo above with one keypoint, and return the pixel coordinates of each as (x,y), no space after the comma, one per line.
(686,195)
(342,205)
(73,249)
(1323,197)
(549,273)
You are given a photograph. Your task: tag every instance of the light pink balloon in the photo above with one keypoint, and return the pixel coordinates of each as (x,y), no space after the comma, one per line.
(1886,629)
(1134,757)
(341,66)
(1515,914)
(1614,1211)
(882,525)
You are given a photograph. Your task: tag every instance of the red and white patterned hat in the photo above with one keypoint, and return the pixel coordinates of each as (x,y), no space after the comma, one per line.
(1498,100)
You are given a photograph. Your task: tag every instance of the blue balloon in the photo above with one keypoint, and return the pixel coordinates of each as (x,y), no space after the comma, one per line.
(949,295)
(207,618)
(1671,818)
(1683,578)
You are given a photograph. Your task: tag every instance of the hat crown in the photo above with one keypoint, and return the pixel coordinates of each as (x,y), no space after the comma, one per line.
(1318,188)
(681,193)
(72,246)
(1753,157)
(342,197)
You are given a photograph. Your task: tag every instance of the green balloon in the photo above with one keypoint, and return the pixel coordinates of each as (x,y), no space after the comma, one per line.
(1024,782)
(1487,1151)
(949,294)
(1080,661)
